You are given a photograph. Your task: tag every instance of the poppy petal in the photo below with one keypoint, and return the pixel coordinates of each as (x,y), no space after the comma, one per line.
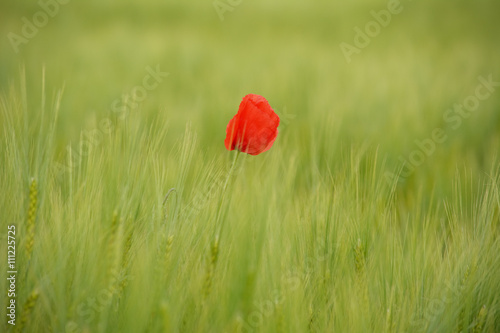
(254,128)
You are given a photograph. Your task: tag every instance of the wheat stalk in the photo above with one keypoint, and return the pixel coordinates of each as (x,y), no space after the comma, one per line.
(360,265)
(112,242)
(168,247)
(125,263)
(214,254)
(389,322)
(27,310)
(126,251)
(463,286)
(30,225)
(480,318)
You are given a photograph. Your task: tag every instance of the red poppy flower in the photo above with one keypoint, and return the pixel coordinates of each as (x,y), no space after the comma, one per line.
(254,128)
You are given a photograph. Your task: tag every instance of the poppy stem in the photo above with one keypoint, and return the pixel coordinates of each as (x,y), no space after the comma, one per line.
(223,195)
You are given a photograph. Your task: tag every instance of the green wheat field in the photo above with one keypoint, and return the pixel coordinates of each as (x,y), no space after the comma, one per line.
(376,210)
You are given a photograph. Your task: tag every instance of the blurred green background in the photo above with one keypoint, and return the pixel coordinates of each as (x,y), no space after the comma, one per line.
(426,59)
